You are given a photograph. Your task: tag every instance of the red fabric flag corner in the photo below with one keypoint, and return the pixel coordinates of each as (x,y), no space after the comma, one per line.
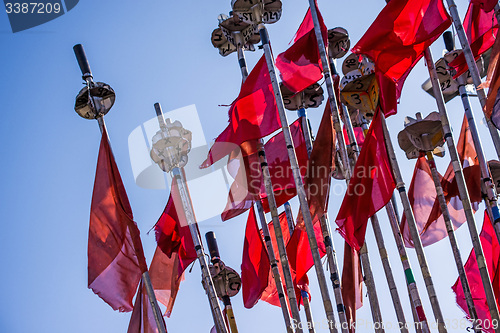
(492,82)
(300,66)
(491,250)
(165,278)
(175,241)
(352,284)
(248,185)
(143,319)
(396,41)
(115,256)
(300,255)
(370,188)
(481,29)
(255,266)
(486,5)
(252,115)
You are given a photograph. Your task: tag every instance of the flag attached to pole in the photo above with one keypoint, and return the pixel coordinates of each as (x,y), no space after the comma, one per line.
(143,319)
(248,185)
(423,198)
(481,28)
(396,41)
(320,168)
(300,66)
(175,241)
(352,284)
(491,250)
(252,115)
(255,266)
(486,5)
(492,108)
(115,255)
(165,278)
(369,189)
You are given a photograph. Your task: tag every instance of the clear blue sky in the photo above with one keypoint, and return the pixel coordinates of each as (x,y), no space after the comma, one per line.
(154,51)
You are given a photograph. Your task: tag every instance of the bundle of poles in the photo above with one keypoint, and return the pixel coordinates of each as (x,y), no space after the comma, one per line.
(348,149)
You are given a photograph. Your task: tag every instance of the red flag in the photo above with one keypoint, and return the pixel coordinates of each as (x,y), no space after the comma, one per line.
(481,29)
(422,193)
(279,165)
(396,41)
(270,294)
(352,284)
(174,239)
(300,65)
(320,168)
(248,185)
(143,319)
(244,190)
(370,188)
(255,266)
(300,255)
(115,256)
(492,82)
(252,115)
(491,250)
(165,279)
(358,133)
(487,5)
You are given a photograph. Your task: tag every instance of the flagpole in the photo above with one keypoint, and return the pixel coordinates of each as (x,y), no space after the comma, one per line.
(238,40)
(332,261)
(410,218)
(88,78)
(392,214)
(462,188)
(426,140)
(374,220)
(417,308)
(274,267)
(225,278)
(476,78)
(490,200)
(298,180)
(327,237)
(278,232)
(304,294)
(177,172)
(369,281)
(256,12)
(451,235)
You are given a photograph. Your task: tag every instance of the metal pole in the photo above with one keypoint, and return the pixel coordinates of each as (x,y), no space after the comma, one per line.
(490,200)
(462,188)
(193,227)
(417,309)
(375,224)
(476,78)
(278,232)
(222,281)
(343,151)
(327,240)
(400,185)
(304,294)
(453,241)
(299,185)
(307,309)
(83,63)
(274,268)
(187,207)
